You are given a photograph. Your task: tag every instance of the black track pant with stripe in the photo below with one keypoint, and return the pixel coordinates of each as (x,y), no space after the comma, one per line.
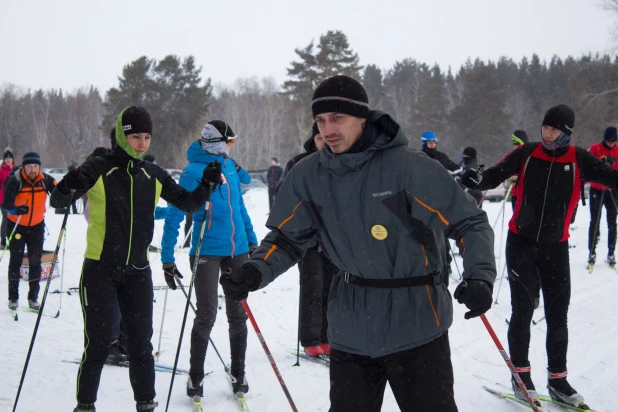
(421,379)
(33,237)
(532,265)
(102,287)
(595,221)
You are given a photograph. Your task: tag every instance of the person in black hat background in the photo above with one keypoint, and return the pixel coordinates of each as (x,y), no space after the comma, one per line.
(371,204)
(6,167)
(469,161)
(25,199)
(537,247)
(600,196)
(273,176)
(122,193)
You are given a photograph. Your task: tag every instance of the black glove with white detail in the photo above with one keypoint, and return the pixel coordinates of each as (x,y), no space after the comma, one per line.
(212,174)
(74,180)
(22,210)
(237,283)
(476,295)
(471,178)
(169,271)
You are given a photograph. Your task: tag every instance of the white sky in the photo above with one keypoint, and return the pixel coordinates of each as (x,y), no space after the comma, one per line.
(71,43)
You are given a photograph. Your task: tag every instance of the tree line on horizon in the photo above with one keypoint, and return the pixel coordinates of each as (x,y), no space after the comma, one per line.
(478,105)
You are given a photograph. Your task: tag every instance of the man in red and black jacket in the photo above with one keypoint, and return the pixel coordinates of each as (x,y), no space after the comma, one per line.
(600,196)
(537,251)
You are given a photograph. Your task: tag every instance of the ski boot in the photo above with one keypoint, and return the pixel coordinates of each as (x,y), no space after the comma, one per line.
(325,348)
(13,304)
(314,351)
(195,387)
(611,261)
(85,407)
(592,258)
(240,384)
(142,406)
(34,304)
(524,374)
(115,355)
(561,391)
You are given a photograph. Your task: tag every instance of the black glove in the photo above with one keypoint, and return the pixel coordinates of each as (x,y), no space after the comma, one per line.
(476,295)
(252,248)
(169,271)
(237,283)
(22,210)
(75,180)
(212,174)
(610,160)
(471,178)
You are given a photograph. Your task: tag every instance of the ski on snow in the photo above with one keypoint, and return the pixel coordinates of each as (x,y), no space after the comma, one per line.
(14,315)
(239,397)
(542,398)
(44,314)
(158,367)
(320,359)
(197,404)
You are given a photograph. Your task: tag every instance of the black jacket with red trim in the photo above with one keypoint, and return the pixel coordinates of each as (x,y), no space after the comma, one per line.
(548,187)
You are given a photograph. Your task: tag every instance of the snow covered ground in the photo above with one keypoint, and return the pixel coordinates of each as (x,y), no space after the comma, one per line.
(50,383)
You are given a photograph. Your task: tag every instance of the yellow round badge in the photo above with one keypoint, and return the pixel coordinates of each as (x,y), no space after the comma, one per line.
(17,236)
(379,232)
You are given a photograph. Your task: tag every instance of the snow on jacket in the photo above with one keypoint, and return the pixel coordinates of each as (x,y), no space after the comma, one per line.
(601,150)
(5,172)
(229,231)
(548,187)
(346,201)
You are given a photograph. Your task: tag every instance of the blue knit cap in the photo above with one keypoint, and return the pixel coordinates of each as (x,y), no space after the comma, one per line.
(31,158)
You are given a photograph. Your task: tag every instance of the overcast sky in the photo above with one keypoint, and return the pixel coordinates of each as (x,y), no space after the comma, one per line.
(71,43)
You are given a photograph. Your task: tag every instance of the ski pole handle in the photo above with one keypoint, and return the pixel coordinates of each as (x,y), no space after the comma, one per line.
(509,363)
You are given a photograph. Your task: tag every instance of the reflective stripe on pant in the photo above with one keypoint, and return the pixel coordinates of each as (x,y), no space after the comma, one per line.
(532,265)
(421,379)
(33,237)
(100,286)
(206,287)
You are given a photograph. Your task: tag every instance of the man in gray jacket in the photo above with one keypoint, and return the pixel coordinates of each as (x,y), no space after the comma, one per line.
(379,210)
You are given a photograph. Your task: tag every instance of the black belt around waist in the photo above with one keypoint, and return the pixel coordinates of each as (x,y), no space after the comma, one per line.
(433,279)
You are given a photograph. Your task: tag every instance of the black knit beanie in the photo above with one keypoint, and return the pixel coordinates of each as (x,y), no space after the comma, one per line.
(470,152)
(136,120)
(610,135)
(560,117)
(340,94)
(519,137)
(217,131)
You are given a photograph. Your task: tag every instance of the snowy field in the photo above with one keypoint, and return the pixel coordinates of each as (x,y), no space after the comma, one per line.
(50,383)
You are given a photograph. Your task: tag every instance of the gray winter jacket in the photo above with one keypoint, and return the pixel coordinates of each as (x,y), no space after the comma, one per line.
(340,199)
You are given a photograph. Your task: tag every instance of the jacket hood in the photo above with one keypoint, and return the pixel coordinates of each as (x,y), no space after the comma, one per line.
(381,132)
(121,139)
(195,154)
(310,146)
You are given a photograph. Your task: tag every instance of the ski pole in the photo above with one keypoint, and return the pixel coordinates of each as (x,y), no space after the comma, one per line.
(509,363)
(454,260)
(158,352)
(10,237)
(538,321)
(64,249)
(194,271)
(500,285)
(39,315)
(508,193)
(300,305)
(186,238)
(227,370)
(268,355)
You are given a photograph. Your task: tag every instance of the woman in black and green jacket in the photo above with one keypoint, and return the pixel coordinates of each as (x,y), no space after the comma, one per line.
(122,194)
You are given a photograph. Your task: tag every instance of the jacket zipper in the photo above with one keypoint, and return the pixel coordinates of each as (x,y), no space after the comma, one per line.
(538,235)
(129,165)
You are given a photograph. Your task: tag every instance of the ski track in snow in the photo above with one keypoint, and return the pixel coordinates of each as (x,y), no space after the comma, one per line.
(50,384)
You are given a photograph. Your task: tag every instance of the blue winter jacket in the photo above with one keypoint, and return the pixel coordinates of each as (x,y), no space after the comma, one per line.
(228,226)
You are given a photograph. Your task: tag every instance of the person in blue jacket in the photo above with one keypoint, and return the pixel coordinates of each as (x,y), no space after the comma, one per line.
(227,241)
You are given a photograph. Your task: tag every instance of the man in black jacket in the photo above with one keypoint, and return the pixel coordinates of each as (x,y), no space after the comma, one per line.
(537,251)
(122,193)
(273,175)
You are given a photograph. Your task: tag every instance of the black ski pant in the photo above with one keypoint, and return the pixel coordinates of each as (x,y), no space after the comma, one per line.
(316,276)
(3,234)
(206,287)
(596,203)
(101,288)
(33,237)
(272,191)
(421,379)
(532,265)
